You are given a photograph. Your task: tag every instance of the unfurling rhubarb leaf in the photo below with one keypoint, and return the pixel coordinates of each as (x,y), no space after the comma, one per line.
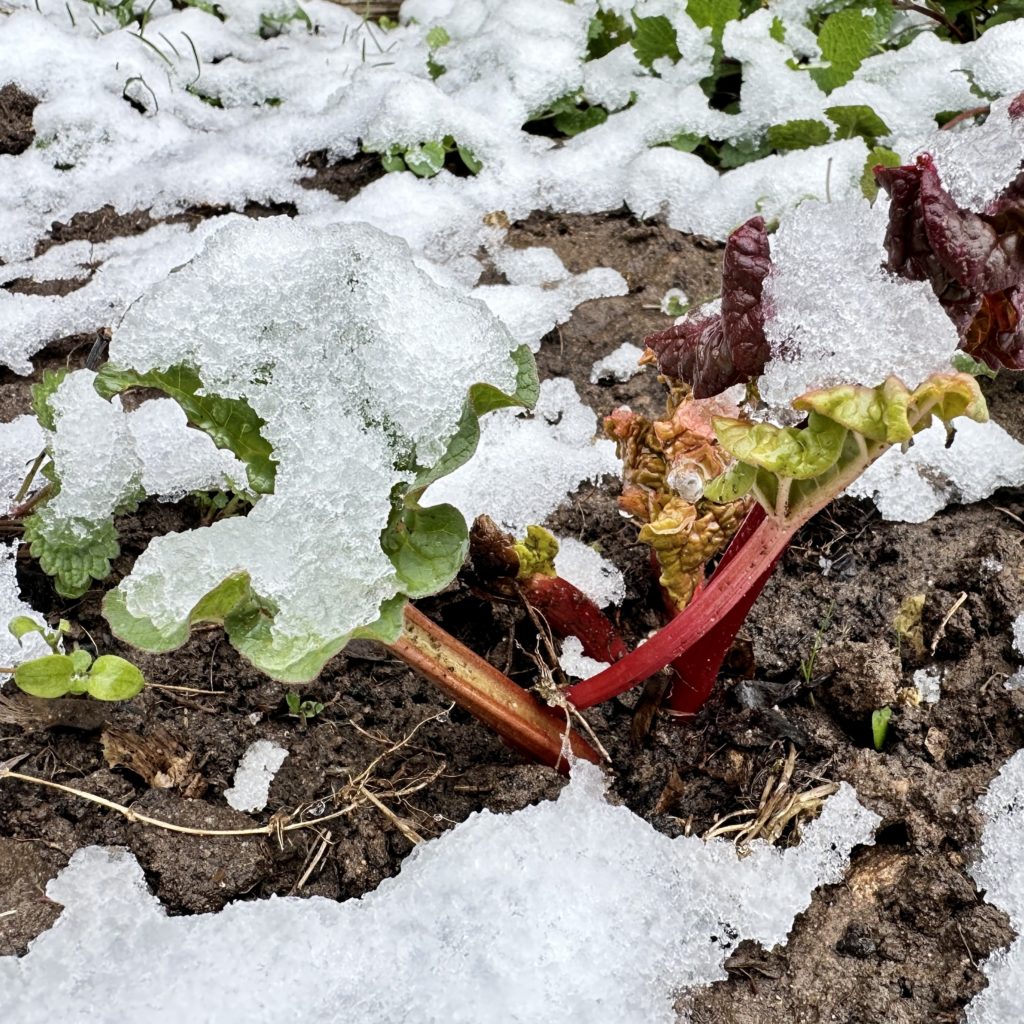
(76,552)
(348,380)
(711,351)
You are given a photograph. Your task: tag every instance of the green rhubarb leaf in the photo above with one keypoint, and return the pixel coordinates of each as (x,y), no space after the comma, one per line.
(74,551)
(964,363)
(50,676)
(878,156)
(113,678)
(785,451)
(731,485)
(230,422)
(948,395)
(537,553)
(857,119)
(880,414)
(427,547)
(425,160)
(654,38)
(43,392)
(798,134)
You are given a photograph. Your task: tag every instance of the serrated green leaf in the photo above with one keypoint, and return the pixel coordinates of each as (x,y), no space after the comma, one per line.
(425,160)
(880,726)
(606,31)
(654,38)
(573,122)
(427,547)
(230,422)
(964,363)
(846,38)
(50,676)
(43,392)
(785,451)
(713,14)
(857,119)
(74,551)
(730,485)
(801,133)
(113,678)
(777,31)
(879,155)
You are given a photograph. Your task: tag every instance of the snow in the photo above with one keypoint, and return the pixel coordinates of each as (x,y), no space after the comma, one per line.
(824,326)
(998,874)
(619,365)
(589,571)
(21,441)
(1018,634)
(912,487)
(527,464)
(575,663)
(254,775)
(492,918)
(32,645)
(928,683)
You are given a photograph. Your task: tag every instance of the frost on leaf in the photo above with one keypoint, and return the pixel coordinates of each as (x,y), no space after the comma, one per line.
(366,379)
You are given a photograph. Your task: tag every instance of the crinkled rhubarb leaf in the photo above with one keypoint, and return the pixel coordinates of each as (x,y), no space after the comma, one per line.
(426,546)
(230,422)
(713,352)
(785,451)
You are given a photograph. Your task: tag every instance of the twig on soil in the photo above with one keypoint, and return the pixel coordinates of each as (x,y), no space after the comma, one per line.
(182,689)
(325,841)
(276,826)
(940,632)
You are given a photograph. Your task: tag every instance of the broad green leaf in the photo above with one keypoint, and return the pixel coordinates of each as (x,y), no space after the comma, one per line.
(798,134)
(685,142)
(880,414)
(113,678)
(730,485)
(230,422)
(654,38)
(425,160)
(858,119)
(879,155)
(713,14)
(785,451)
(74,551)
(606,31)
(392,161)
(427,547)
(572,122)
(846,38)
(880,726)
(43,392)
(732,155)
(777,30)
(49,676)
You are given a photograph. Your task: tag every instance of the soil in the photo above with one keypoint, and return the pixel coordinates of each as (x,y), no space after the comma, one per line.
(899,941)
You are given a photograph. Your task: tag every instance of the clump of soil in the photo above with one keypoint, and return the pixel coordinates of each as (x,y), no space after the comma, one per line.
(16,131)
(899,941)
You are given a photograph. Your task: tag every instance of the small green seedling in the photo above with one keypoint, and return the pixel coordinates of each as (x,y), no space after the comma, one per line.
(57,675)
(880,726)
(807,664)
(427,158)
(302,709)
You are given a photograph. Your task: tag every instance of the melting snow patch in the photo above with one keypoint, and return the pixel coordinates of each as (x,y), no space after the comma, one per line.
(575,663)
(254,775)
(590,572)
(11,606)
(928,683)
(998,873)
(483,926)
(619,365)
(526,465)
(21,441)
(912,487)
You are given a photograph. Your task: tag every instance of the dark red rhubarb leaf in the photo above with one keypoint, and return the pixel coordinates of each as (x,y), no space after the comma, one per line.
(712,352)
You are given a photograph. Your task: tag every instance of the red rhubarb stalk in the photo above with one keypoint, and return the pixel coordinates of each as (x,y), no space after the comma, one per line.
(713,619)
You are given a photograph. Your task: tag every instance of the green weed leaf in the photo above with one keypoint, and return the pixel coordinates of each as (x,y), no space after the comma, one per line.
(798,134)
(880,726)
(43,392)
(113,678)
(654,38)
(50,676)
(74,551)
(857,119)
(425,160)
(846,38)
(878,155)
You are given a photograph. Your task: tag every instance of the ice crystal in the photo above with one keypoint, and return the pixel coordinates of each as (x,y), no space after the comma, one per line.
(254,775)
